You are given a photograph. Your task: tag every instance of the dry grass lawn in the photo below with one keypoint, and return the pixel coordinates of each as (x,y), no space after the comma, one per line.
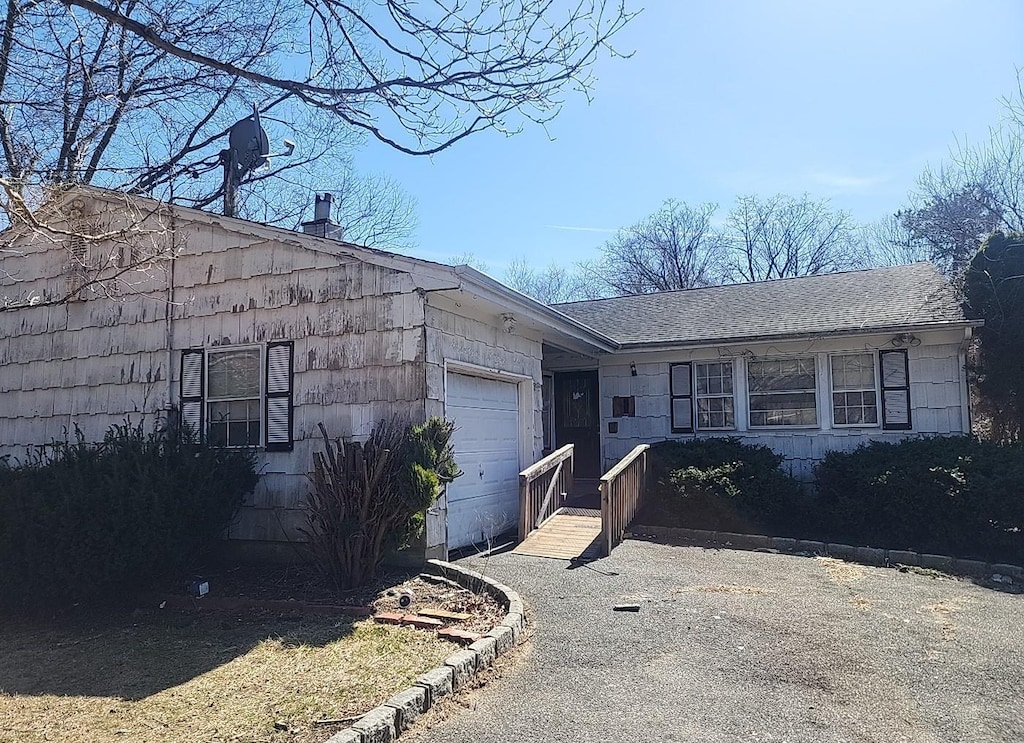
(175,678)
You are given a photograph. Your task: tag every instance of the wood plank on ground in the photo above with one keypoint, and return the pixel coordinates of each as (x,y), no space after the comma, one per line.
(455,616)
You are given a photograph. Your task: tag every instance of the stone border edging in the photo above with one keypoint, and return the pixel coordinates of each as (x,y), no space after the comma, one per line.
(385,723)
(865,555)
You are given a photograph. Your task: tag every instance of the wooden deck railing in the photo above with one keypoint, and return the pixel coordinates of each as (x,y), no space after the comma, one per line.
(621,489)
(542,489)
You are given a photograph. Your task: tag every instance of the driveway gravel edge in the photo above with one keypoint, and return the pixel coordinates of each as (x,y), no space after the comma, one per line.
(865,555)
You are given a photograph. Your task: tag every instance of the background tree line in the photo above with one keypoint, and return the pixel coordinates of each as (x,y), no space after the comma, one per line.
(954,206)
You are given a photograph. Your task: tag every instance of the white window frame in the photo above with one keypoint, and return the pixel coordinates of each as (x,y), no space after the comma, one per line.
(698,396)
(872,356)
(260,399)
(750,394)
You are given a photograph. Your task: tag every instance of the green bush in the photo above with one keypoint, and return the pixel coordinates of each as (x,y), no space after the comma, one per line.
(941,494)
(82,520)
(724,484)
(368,498)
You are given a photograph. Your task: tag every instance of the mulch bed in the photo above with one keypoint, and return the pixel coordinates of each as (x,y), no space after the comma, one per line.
(301,590)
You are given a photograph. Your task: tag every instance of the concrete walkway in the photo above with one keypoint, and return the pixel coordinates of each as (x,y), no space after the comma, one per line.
(746,646)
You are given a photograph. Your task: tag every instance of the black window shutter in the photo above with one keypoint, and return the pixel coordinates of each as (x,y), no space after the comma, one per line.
(191,391)
(895,376)
(681,392)
(279,396)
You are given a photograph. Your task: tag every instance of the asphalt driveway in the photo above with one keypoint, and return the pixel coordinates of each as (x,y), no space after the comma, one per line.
(746,646)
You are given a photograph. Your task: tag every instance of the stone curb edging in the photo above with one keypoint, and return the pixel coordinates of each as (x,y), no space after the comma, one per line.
(865,555)
(385,723)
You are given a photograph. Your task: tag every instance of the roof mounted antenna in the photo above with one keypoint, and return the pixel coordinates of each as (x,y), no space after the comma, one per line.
(248,149)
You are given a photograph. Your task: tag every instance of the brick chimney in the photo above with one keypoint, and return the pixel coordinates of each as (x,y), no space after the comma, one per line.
(322,226)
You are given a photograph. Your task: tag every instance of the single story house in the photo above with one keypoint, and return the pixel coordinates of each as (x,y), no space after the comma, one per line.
(257,334)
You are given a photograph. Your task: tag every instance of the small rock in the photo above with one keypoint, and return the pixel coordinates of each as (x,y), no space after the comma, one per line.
(281,725)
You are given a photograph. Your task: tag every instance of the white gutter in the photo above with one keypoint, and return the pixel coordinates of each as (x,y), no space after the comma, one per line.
(737,340)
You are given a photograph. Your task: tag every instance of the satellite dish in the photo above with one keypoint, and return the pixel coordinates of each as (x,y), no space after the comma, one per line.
(248,149)
(248,145)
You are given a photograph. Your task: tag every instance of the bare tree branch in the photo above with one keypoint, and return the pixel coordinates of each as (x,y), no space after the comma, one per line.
(677,247)
(781,237)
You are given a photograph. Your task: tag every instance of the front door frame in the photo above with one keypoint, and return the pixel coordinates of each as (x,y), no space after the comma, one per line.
(595,429)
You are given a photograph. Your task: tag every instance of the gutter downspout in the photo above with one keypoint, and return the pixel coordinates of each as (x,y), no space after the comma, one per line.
(169,313)
(965,388)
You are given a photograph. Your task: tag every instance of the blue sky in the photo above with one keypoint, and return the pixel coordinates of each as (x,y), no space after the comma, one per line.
(848,101)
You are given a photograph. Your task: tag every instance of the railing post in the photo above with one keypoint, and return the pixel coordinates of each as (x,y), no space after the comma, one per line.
(570,480)
(524,507)
(537,484)
(606,516)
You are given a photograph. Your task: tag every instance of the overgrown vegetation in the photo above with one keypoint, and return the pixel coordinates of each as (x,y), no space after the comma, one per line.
(950,495)
(368,498)
(79,520)
(994,290)
(721,483)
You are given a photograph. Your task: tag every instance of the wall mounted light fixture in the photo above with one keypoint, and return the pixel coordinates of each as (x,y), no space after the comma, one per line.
(632,369)
(901,340)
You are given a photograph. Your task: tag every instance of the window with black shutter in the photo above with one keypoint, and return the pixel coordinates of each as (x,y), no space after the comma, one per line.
(239,396)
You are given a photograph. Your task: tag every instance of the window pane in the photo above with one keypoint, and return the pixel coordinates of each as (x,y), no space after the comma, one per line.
(781,375)
(727,377)
(854,408)
(238,433)
(853,372)
(715,412)
(217,434)
(234,373)
(794,409)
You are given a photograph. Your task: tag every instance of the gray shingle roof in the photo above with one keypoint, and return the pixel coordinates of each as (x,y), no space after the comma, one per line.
(880,298)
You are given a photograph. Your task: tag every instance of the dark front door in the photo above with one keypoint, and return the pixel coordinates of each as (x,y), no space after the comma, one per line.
(578,420)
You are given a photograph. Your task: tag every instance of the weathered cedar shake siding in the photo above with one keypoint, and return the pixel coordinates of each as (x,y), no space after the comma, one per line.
(938,395)
(358,332)
(456,334)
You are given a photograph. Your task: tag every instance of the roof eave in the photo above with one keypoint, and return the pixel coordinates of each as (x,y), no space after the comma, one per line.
(494,291)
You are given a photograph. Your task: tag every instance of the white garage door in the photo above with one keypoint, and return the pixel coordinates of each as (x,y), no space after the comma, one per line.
(484,502)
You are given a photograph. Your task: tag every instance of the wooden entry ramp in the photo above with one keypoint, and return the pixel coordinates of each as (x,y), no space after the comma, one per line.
(570,534)
(557,515)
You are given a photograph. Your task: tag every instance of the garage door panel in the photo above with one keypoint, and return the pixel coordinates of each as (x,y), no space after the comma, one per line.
(485,500)
(484,433)
(480,520)
(477,392)
(484,474)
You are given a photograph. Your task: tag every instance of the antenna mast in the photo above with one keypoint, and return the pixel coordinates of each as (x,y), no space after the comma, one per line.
(248,148)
